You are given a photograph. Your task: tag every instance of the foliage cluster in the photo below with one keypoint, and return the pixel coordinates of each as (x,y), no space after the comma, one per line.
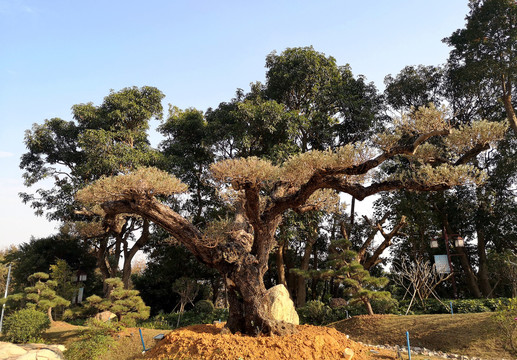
(26,325)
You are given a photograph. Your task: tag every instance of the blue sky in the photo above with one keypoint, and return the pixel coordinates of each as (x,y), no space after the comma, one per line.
(54,54)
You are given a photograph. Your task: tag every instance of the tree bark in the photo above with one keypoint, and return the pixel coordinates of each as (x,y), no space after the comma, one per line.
(469,273)
(508,106)
(368,307)
(49,314)
(301,288)
(484,282)
(280,264)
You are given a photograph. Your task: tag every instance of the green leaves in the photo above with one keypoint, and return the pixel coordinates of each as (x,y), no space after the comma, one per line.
(108,139)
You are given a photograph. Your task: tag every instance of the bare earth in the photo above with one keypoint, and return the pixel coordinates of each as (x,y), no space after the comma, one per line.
(206,342)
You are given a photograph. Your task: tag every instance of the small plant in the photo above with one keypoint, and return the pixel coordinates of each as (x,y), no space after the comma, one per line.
(25,326)
(315,313)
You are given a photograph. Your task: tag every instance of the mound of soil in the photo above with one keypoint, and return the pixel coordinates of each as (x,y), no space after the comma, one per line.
(207,342)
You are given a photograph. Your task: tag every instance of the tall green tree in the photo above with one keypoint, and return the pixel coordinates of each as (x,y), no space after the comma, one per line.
(415,86)
(483,58)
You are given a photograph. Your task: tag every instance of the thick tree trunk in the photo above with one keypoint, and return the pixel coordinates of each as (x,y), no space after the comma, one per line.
(301,288)
(469,273)
(249,311)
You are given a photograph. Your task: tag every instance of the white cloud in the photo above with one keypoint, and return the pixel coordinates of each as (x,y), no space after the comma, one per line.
(5,154)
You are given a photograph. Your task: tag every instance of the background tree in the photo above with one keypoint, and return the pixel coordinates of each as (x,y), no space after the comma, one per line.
(63,275)
(101,141)
(166,262)
(38,255)
(483,58)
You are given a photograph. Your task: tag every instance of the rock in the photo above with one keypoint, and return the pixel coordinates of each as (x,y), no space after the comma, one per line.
(282,307)
(46,353)
(105,316)
(348,354)
(32,355)
(10,351)
(31,351)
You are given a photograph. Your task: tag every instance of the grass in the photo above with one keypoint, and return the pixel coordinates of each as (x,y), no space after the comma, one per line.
(463,334)
(128,344)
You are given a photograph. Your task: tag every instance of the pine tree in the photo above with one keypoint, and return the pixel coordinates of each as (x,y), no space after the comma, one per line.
(346,269)
(127,305)
(42,296)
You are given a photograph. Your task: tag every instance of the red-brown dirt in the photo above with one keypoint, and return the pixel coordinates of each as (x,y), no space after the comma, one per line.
(207,342)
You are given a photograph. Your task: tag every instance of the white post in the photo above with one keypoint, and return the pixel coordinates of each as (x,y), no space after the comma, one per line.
(5,295)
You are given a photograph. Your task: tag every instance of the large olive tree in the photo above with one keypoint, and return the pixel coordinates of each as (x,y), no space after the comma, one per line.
(435,158)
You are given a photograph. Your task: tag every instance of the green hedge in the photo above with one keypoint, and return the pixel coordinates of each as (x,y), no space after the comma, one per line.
(318,313)
(462,306)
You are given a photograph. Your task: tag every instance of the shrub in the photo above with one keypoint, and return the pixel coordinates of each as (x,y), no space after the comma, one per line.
(470,306)
(433,306)
(314,312)
(204,307)
(89,346)
(507,319)
(95,342)
(26,325)
(385,306)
